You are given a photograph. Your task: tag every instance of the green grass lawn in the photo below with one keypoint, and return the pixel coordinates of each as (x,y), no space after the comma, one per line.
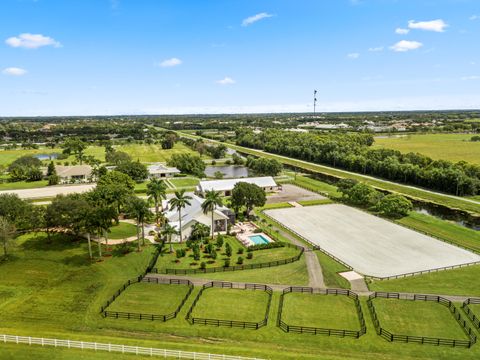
(315,202)
(463,281)
(292,274)
(453,147)
(168,260)
(17,185)
(316,185)
(224,304)
(417,318)
(150,298)
(154,152)
(122,231)
(321,311)
(52,290)
(330,270)
(443,229)
(184,182)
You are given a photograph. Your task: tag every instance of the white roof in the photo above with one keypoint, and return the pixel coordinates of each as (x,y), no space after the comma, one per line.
(228,184)
(162,169)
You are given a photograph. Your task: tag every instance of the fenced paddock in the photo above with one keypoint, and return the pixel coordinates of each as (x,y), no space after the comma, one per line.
(421,319)
(124,349)
(231,305)
(471,307)
(370,245)
(336,313)
(124,304)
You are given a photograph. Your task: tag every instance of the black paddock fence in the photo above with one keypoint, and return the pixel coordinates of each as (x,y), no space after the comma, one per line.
(236,267)
(230,323)
(143,316)
(317,330)
(387,335)
(471,315)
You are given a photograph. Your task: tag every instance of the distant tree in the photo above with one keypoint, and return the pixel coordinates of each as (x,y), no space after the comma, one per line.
(179,202)
(264,166)
(136,170)
(345,185)
(25,168)
(75,146)
(189,164)
(117,157)
(212,200)
(51,169)
(168,141)
(394,206)
(237,160)
(7,232)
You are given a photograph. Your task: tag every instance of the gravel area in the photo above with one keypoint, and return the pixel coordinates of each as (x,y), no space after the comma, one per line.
(291,192)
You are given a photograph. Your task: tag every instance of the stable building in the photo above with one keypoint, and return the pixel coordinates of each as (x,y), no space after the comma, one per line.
(226,186)
(161,171)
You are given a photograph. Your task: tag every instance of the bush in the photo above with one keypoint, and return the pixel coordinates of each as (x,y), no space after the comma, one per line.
(228,250)
(203,265)
(196,254)
(53,179)
(257,231)
(219,241)
(270,245)
(250,255)
(240,260)
(394,206)
(179,253)
(213,254)
(240,251)
(227,263)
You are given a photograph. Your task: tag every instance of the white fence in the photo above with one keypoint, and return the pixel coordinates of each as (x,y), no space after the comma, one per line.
(124,349)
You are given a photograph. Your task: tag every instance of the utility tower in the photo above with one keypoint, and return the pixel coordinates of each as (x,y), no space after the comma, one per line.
(314,101)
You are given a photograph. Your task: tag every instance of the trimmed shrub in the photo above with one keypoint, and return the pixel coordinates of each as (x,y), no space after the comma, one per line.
(203,265)
(240,260)
(250,255)
(240,251)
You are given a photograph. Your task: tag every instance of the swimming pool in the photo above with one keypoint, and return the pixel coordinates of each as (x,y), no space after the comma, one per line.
(259,239)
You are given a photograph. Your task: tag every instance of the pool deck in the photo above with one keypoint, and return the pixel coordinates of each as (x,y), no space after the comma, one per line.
(245,230)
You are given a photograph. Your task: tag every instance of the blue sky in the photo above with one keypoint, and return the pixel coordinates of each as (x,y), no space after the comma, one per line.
(84,57)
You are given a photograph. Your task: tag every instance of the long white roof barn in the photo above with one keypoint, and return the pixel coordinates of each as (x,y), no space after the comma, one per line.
(228,184)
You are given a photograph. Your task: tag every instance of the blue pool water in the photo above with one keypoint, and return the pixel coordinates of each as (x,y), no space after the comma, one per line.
(259,239)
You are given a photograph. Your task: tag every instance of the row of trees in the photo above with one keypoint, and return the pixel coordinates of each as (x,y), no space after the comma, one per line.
(264,166)
(353,152)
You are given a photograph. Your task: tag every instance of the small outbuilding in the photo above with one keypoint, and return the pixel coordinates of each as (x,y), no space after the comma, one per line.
(161,171)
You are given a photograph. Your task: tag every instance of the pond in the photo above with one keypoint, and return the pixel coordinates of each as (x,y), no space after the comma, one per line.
(43,157)
(228,171)
(445,214)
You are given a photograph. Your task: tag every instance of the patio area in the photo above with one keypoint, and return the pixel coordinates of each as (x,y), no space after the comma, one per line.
(245,231)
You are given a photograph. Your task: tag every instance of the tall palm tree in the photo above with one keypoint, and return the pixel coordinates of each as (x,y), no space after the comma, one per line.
(168,231)
(6,233)
(157,191)
(212,200)
(138,209)
(179,202)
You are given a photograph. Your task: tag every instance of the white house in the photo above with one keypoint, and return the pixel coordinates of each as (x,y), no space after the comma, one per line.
(226,186)
(161,171)
(193,214)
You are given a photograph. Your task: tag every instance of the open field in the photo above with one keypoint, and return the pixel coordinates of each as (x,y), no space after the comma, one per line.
(184,182)
(417,318)
(23,185)
(321,311)
(453,147)
(153,153)
(149,298)
(224,304)
(370,245)
(50,191)
(169,261)
(64,303)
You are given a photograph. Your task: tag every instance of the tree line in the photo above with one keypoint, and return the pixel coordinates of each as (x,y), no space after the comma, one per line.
(353,152)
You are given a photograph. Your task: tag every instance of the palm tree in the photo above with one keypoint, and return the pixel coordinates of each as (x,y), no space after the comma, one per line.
(212,200)
(156,191)
(102,221)
(6,233)
(138,209)
(179,202)
(168,231)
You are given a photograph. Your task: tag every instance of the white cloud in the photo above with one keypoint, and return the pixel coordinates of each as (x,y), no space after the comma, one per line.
(253,19)
(474,17)
(353,55)
(170,62)
(31,41)
(434,25)
(226,81)
(401,31)
(406,45)
(376,49)
(14,71)
(471,77)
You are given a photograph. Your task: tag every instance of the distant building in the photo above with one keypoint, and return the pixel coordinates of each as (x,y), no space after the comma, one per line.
(161,171)
(73,174)
(226,186)
(193,214)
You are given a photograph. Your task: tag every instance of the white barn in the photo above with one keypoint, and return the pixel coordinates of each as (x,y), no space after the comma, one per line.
(226,186)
